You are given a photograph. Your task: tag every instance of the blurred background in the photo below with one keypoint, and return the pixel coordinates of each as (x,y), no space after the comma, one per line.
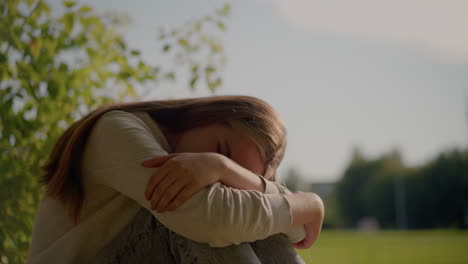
(374,95)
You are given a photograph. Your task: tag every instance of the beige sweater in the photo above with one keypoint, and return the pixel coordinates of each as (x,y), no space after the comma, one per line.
(114,184)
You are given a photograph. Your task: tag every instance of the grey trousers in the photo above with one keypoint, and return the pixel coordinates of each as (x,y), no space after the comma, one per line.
(146,240)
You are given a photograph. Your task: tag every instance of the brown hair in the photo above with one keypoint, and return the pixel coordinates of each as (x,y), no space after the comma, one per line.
(253,116)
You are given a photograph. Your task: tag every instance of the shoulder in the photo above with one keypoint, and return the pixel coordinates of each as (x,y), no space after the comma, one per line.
(117,127)
(117,114)
(119,119)
(119,137)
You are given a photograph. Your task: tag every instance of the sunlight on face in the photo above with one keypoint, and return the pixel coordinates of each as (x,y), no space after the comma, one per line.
(224,140)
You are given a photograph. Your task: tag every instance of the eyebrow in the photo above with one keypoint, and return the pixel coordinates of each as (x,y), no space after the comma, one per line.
(227,148)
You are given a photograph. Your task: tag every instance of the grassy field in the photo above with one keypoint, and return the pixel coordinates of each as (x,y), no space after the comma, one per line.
(412,247)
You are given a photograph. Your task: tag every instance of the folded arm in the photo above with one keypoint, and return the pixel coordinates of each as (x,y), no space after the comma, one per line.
(218,215)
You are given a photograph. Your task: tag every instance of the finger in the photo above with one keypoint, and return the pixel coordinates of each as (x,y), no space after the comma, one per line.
(306,243)
(299,245)
(186,193)
(169,195)
(159,191)
(157,161)
(313,231)
(154,180)
(311,236)
(296,245)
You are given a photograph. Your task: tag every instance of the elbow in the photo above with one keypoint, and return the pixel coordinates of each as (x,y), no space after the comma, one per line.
(319,206)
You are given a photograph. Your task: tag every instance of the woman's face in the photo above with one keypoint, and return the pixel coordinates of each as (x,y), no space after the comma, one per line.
(224,140)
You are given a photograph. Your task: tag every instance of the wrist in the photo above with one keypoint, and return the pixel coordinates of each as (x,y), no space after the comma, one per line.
(238,177)
(263,183)
(225,169)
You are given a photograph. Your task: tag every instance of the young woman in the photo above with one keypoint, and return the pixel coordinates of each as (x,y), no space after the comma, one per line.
(173,181)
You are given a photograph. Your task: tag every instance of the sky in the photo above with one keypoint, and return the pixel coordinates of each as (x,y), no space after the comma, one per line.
(378,75)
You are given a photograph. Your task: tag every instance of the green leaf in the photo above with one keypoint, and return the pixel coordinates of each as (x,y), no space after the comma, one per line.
(52,88)
(35,47)
(30,2)
(68,21)
(69,4)
(193,82)
(166,48)
(221,26)
(183,42)
(125,74)
(121,43)
(63,67)
(209,70)
(135,52)
(3,58)
(215,84)
(197,26)
(43,7)
(170,76)
(224,11)
(85,9)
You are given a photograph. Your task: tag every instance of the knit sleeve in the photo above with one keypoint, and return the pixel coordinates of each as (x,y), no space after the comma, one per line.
(217,215)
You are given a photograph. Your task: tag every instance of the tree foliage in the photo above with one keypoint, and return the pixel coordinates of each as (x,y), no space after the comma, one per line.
(196,46)
(53,70)
(439,192)
(434,195)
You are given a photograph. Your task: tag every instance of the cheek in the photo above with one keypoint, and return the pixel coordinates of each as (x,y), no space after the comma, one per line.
(252,163)
(248,156)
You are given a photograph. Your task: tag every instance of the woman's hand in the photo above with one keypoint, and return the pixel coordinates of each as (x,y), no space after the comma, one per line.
(183,174)
(180,176)
(312,234)
(307,209)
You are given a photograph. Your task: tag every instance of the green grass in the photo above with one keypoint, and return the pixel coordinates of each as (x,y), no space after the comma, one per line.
(411,247)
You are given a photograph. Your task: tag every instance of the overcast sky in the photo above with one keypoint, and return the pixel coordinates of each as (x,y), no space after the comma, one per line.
(372,74)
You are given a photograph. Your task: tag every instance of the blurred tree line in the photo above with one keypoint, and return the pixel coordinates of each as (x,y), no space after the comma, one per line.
(433,195)
(57,66)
